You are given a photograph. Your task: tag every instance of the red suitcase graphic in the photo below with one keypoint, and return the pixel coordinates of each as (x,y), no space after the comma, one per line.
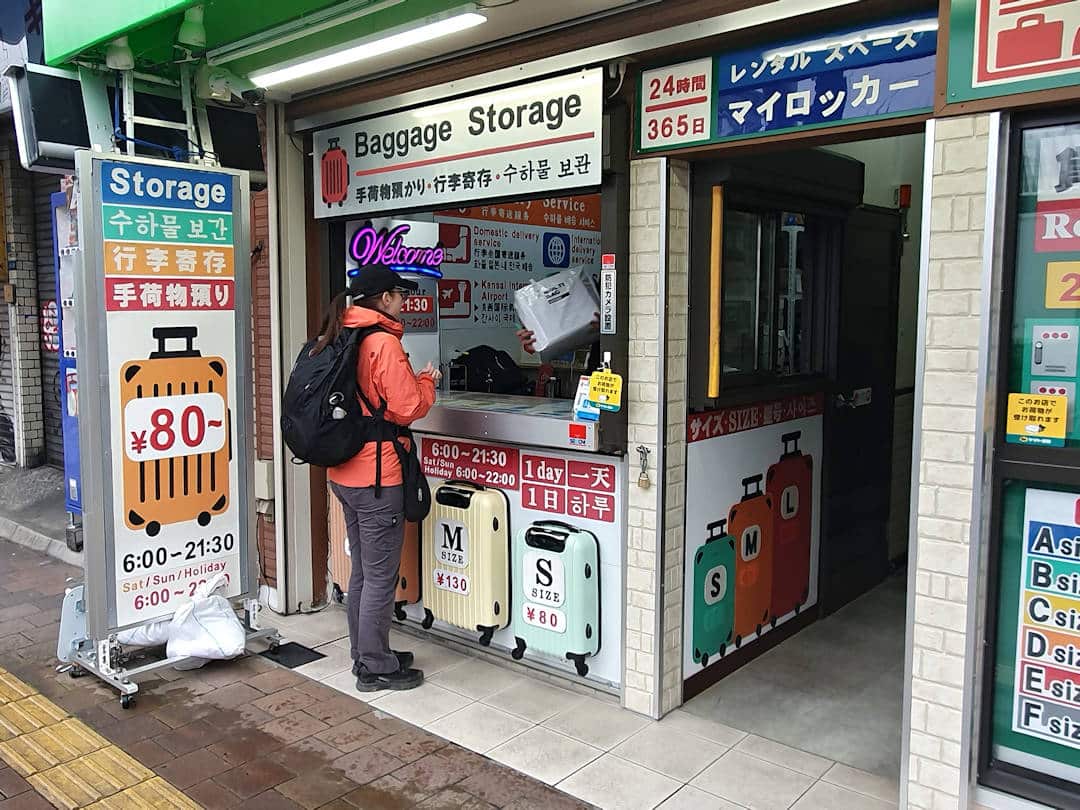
(790,486)
(1032,40)
(334,169)
(751,524)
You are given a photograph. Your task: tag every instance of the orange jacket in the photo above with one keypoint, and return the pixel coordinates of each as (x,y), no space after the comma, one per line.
(385,374)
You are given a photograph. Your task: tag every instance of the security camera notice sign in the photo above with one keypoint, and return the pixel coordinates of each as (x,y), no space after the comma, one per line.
(1047,679)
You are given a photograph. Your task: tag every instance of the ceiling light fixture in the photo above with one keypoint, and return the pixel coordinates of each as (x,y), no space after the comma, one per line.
(394,39)
(192,30)
(118,55)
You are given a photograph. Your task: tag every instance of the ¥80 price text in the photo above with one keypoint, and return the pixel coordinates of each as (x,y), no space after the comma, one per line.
(159,557)
(170,427)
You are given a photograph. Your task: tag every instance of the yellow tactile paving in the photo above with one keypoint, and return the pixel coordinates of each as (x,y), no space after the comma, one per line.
(90,778)
(50,746)
(155,793)
(28,714)
(11,688)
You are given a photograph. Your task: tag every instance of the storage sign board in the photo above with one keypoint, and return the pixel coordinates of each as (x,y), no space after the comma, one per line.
(876,72)
(1036,702)
(163,306)
(529,139)
(999,47)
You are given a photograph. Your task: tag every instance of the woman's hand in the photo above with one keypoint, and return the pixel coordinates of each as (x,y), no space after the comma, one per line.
(527,340)
(431,371)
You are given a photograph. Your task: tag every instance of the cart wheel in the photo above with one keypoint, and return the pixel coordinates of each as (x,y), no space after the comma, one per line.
(738,642)
(399,611)
(581,666)
(274,645)
(203,518)
(429,619)
(723,649)
(153,528)
(76,672)
(485,635)
(704,660)
(519,651)
(127,701)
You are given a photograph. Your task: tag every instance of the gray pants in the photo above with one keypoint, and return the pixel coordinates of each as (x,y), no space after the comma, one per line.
(376,529)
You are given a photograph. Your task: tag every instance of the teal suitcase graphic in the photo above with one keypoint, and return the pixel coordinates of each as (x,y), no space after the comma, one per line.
(557,579)
(714,593)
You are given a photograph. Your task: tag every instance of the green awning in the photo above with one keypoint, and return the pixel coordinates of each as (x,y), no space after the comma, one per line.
(152,25)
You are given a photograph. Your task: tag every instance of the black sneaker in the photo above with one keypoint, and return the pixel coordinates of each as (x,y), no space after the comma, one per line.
(404,659)
(397,681)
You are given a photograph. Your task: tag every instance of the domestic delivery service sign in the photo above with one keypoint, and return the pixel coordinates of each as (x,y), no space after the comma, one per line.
(535,138)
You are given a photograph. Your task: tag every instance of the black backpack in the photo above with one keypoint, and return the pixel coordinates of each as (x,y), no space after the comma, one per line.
(323,423)
(491,371)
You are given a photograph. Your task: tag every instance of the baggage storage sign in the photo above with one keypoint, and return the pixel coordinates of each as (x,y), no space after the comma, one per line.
(161,281)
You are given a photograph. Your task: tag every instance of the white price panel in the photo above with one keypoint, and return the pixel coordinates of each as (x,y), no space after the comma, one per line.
(452,543)
(544,617)
(545,578)
(446,581)
(170,427)
(676,105)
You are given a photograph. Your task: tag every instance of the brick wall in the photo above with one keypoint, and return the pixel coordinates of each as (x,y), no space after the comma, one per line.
(937,768)
(646,575)
(24,339)
(263,354)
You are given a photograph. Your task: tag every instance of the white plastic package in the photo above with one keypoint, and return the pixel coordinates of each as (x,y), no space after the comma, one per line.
(206,627)
(559,311)
(155,634)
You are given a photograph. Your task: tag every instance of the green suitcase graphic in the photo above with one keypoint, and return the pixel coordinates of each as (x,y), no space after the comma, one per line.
(714,593)
(557,579)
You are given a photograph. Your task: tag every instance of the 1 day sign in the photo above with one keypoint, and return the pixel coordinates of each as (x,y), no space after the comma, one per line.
(166,308)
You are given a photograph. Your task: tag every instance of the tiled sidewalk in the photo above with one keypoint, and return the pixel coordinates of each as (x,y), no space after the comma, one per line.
(245,733)
(590,747)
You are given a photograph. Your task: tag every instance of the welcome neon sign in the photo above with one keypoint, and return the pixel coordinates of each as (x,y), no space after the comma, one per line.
(386,246)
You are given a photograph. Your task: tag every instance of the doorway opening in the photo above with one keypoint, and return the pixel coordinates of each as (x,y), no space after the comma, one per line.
(804,289)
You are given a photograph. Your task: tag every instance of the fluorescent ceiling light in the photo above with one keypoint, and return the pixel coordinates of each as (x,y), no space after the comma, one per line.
(367,48)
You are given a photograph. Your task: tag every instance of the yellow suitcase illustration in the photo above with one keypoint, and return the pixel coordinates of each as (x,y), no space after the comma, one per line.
(176,433)
(467,559)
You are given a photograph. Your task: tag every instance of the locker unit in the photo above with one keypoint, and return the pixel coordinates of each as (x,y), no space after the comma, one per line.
(789,484)
(714,594)
(557,592)
(408,589)
(466,559)
(751,524)
(171,490)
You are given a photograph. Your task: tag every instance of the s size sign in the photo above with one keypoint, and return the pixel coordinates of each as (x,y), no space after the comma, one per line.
(545,579)
(533,138)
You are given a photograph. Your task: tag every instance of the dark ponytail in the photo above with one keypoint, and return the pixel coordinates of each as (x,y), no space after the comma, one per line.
(332,322)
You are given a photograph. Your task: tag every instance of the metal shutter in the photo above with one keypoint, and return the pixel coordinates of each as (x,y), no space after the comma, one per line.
(44,186)
(7,390)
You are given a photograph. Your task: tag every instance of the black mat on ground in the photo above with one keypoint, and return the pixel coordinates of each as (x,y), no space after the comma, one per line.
(292,655)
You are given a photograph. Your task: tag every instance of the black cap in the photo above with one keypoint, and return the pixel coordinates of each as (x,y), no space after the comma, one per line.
(375,279)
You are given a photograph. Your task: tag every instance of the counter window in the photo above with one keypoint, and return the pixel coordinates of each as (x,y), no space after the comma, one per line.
(766,319)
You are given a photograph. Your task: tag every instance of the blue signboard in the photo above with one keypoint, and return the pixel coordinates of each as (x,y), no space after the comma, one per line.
(69,378)
(165,187)
(874,72)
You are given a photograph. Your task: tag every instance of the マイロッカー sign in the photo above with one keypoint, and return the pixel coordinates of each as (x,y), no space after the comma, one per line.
(881,71)
(539,137)
(998,47)
(161,280)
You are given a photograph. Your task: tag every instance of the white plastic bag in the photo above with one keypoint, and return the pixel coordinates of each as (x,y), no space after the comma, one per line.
(207,627)
(154,634)
(559,311)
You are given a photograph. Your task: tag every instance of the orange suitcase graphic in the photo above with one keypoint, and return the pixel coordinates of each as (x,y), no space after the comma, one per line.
(177,435)
(751,524)
(789,483)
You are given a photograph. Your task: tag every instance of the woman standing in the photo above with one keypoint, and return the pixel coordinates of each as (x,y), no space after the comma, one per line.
(370,487)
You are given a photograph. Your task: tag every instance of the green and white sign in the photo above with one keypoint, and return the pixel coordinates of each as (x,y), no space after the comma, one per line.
(1000,47)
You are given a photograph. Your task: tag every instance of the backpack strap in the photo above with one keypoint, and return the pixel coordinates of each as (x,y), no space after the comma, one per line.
(387,431)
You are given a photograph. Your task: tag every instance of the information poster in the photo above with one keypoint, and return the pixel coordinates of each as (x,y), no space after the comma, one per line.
(564,551)
(1036,699)
(491,251)
(752,523)
(170,244)
(1045,357)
